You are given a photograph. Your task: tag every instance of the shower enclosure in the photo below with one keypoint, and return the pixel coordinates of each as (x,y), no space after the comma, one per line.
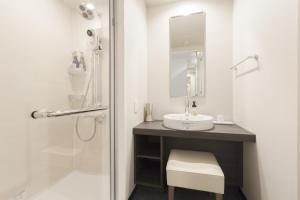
(57,103)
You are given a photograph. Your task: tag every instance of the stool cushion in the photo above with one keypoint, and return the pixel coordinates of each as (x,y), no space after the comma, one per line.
(195,170)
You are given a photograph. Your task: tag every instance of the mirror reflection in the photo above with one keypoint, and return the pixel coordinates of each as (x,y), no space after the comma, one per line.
(187,55)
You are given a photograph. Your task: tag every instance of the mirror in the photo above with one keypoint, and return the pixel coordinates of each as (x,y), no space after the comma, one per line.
(187,55)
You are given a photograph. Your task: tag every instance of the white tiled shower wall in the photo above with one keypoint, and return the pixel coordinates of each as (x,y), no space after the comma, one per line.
(34,56)
(37,38)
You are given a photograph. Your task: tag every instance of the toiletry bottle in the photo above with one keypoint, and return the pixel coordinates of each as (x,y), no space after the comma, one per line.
(194,108)
(148,112)
(75,63)
(82,64)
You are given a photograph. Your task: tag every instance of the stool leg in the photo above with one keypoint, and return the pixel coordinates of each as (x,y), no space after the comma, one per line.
(219,197)
(171,191)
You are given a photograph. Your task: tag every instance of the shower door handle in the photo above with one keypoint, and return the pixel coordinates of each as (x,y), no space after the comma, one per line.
(47,114)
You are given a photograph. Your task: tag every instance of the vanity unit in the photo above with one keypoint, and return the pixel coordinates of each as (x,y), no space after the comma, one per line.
(153,143)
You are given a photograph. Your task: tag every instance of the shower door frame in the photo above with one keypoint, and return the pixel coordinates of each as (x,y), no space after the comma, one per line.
(112,91)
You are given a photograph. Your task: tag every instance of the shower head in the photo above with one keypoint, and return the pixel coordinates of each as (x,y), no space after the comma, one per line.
(95,41)
(90,32)
(87,10)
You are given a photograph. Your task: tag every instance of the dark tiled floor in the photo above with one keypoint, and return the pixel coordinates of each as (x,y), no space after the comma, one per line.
(147,193)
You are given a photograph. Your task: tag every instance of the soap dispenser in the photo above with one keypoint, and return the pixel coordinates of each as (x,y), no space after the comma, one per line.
(194,108)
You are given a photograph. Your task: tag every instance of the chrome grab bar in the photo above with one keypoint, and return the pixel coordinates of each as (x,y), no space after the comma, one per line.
(46,114)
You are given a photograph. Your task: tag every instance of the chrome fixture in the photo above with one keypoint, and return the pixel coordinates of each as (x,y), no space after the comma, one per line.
(87,10)
(255,57)
(91,32)
(95,33)
(187,105)
(47,114)
(93,82)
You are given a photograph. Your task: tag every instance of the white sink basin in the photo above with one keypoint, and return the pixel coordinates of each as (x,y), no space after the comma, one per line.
(190,122)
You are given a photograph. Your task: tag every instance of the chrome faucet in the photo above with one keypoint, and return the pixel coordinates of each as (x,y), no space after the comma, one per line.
(187,105)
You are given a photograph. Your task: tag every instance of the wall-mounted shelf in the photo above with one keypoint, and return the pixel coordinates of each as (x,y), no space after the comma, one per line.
(76,72)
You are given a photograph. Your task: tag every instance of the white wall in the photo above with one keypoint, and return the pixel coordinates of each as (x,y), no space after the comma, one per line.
(132,86)
(265,100)
(218,98)
(35,54)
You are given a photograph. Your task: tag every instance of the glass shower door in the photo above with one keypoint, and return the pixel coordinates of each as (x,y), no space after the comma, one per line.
(55,119)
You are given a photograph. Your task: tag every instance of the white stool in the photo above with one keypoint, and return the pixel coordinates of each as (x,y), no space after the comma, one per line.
(194,170)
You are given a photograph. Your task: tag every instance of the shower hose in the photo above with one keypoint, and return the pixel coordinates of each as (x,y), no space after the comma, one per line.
(78,117)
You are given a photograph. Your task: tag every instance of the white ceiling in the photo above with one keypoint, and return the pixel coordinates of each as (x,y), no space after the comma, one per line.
(158,2)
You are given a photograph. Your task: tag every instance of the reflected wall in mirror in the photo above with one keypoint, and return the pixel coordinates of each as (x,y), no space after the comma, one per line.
(187,55)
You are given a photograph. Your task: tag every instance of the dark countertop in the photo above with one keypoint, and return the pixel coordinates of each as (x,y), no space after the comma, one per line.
(219,132)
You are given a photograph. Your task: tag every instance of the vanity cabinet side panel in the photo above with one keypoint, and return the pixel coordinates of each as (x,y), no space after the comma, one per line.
(135,157)
(162,155)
